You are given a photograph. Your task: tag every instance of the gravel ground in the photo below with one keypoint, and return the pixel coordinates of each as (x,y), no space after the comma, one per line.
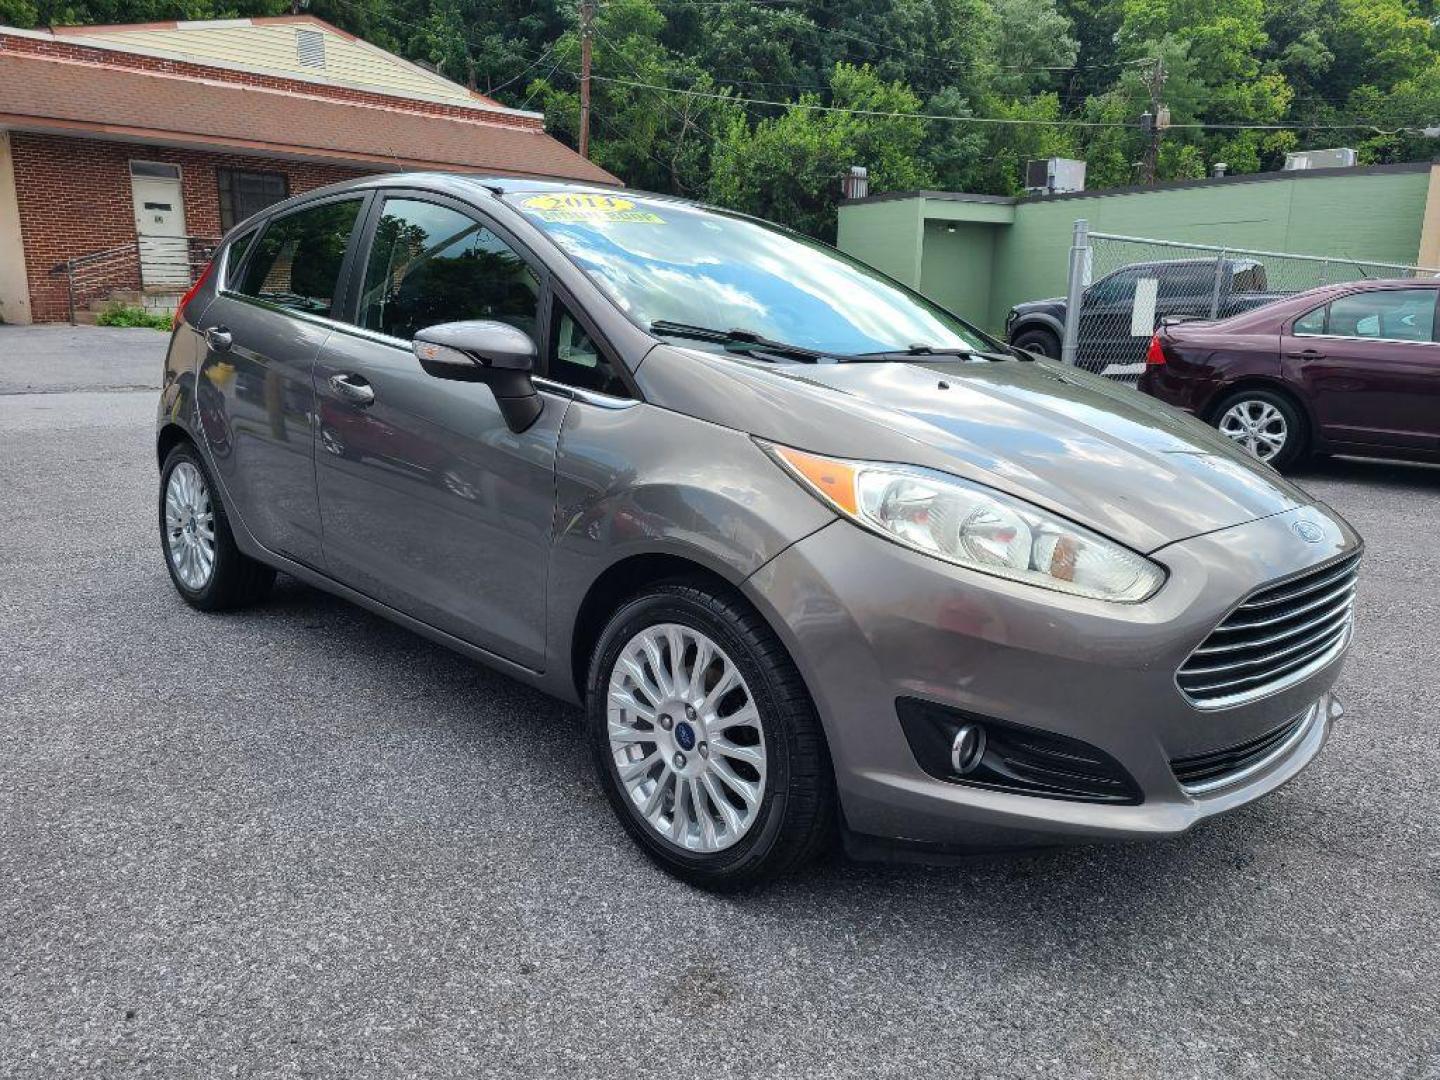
(301,842)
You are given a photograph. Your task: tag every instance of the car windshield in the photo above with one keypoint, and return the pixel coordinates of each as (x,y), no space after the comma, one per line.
(669,262)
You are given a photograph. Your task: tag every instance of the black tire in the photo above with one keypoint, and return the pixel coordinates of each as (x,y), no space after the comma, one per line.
(795,819)
(1297,438)
(1041,342)
(236,580)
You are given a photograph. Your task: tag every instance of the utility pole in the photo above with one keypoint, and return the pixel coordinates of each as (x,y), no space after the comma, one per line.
(587,12)
(1154,122)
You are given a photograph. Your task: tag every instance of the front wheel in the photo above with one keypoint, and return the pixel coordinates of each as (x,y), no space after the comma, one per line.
(1265,425)
(706,740)
(1040,342)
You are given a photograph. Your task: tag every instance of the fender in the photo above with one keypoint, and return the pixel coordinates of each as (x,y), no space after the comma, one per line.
(1038,319)
(712,498)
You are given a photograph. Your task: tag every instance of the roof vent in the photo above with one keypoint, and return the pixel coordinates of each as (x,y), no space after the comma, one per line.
(310,48)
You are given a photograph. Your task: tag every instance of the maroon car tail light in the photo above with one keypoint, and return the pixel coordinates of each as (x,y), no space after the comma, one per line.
(190,294)
(1155,354)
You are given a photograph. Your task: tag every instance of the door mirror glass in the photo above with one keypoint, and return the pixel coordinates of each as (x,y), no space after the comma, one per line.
(495,353)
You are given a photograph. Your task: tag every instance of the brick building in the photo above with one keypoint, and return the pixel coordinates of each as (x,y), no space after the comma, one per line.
(126,151)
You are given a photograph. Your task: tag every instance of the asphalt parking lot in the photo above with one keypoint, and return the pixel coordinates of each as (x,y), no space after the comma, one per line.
(301,842)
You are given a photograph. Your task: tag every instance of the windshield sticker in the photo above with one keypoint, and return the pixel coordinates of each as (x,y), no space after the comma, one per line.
(565,209)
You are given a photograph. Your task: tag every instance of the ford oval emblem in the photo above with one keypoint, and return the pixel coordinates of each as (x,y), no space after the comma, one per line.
(1309,531)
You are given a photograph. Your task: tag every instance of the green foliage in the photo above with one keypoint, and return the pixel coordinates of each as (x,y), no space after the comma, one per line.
(1038,65)
(788,168)
(126,315)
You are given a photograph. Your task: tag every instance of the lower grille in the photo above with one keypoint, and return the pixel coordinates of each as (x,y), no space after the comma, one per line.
(1218,768)
(1020,760)
(1279,636)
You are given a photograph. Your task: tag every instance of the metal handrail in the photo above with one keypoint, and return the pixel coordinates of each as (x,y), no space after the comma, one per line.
(85,270)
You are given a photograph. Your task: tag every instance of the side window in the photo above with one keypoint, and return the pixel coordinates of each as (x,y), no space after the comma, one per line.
(236,255)
(1394,314)
(1250,279)
(1312,322)
(296,261)
(1118,288)
(1189,281)
(429,264)
(576,360)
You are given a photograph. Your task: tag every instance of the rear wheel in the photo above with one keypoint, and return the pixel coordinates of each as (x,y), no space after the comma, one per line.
(706,740)
(1041,342)
(208,570)
(1265,425)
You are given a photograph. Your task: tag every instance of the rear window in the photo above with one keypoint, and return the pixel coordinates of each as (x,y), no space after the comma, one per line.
(235,255)
(1249,279)
(296,262)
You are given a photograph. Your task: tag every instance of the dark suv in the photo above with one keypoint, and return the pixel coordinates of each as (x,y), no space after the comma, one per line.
(1188,288)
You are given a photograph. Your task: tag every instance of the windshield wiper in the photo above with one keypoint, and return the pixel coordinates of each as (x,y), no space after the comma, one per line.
(931,350)
(742,340)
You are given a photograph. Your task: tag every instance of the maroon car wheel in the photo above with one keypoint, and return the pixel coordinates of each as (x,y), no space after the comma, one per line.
(1264,424)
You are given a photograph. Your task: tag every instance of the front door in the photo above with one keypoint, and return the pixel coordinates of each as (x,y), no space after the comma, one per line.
(1371,366)
(429,502)
(263,333)
(160,224)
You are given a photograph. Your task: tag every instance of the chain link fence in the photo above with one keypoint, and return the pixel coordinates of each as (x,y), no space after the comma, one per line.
(1121,287)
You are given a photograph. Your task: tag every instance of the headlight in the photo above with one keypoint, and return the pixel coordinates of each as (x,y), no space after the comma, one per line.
(975,527)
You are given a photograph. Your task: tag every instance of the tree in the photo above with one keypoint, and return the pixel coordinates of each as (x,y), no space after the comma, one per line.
(788,168)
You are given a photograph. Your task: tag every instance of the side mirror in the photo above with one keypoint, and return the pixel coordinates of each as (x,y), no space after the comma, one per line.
(494,353)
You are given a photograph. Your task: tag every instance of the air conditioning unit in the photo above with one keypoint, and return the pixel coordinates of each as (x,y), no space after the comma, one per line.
(1054,176)
(1342,158)
(855,182)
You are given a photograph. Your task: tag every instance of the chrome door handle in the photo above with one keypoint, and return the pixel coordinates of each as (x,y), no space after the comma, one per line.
(1306,354)
(218,338)
(352,388)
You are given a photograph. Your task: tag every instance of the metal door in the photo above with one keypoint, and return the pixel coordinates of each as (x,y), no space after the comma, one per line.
(160,230)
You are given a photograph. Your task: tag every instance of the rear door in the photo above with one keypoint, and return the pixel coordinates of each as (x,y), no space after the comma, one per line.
(430,503)
(262,334)
(1370,364)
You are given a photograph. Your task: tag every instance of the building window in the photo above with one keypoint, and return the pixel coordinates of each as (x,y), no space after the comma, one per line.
(246,193)
(155,169)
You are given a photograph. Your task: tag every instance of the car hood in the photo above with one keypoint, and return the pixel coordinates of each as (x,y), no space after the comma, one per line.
(1099,453)
(1039,305)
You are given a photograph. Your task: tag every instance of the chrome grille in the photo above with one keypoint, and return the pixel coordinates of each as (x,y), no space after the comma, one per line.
(1201,773)
(1280,635)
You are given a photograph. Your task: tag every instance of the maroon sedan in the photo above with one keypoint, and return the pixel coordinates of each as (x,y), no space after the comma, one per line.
(1345,369)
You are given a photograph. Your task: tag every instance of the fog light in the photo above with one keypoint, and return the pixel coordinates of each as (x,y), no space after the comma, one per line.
(967,748)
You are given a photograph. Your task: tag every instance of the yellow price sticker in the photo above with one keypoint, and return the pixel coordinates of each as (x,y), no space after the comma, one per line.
(566,207)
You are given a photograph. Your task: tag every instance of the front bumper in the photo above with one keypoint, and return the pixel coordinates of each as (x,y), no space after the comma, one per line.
(869,622)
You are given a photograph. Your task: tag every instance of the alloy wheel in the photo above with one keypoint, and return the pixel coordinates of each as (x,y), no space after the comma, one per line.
(685,736)
(190,526)
(1256,425)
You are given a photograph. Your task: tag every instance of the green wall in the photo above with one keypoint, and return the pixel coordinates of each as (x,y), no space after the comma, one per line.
(887,235)
(989,263)
(956,267)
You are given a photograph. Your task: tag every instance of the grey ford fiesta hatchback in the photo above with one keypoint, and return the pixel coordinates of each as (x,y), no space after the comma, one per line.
(816,556)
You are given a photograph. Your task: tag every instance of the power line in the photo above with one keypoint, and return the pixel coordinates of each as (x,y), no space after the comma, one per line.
(516,78)
(1025,121)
